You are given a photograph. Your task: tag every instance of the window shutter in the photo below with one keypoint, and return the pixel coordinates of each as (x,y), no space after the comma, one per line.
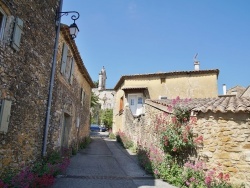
(64,58)
(72,71)
(5,115)
(17,34)
(82,95)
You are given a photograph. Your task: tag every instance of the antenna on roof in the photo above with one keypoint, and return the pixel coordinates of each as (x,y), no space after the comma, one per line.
(196,63)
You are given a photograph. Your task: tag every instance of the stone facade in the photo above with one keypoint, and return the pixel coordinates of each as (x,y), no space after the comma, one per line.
(71,97)
(25,70)
(226,137)
(226,141)
(24,81)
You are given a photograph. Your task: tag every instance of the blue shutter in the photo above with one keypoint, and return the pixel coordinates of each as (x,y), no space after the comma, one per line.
(72,71)
(5,115)
(17,34)
(64,58)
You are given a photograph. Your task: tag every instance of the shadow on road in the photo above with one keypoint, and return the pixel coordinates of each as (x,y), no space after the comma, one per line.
(105,163)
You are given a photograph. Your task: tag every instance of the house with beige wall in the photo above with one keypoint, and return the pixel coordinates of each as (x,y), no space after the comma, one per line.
(133,90)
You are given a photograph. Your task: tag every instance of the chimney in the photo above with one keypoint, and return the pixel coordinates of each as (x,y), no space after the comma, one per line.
(196,65)
(224,89)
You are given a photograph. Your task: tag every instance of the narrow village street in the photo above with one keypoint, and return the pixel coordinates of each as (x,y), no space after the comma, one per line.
(103,164)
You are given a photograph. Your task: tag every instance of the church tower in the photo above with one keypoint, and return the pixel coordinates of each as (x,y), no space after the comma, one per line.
(102,79)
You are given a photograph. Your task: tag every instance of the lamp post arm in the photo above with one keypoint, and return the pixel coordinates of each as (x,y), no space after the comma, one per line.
(74,17)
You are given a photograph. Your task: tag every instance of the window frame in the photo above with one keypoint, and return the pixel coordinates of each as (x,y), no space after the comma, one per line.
(3,24)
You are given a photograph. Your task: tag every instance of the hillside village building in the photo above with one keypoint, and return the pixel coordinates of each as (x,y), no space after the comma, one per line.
(27,36)
(133,90)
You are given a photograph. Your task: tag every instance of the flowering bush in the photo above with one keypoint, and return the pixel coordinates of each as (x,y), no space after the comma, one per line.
(178,136)
(195,176)
(124,140)
(41,175)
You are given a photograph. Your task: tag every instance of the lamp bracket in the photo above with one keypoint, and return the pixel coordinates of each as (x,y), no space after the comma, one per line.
(74,17)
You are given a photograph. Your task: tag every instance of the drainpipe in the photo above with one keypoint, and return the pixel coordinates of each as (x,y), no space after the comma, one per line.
(52,78)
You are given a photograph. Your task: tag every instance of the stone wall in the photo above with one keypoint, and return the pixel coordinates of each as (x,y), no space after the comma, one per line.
(226,138)
(226,141)
(25,79)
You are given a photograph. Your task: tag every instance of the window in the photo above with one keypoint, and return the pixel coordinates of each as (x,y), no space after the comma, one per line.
(82,95)
(3,17)
(67,64)
(132,102)
(140,100)
(121,105)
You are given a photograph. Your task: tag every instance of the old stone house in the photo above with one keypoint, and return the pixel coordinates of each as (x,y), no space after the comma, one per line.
(133,90)
(223,122)
(70,118)
(27,37)
(27,34)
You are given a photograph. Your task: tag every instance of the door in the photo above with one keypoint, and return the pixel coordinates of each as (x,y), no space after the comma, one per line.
(66,130)
(133,103)
(136,103)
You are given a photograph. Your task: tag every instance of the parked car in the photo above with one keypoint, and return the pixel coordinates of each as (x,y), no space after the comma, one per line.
(103,128)
(94,127)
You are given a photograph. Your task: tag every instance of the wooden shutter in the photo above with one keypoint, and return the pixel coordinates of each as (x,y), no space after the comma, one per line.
(121,104)
(64,58)
(17,34)
(5,115)
(72,71)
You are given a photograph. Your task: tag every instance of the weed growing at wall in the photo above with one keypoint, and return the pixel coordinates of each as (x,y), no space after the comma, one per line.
(124,140)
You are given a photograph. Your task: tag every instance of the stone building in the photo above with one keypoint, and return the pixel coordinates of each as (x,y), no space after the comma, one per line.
(133,90)
(27,37)
(224,124)
(70,118)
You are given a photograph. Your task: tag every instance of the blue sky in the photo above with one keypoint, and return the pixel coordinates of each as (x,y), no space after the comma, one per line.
(148,36)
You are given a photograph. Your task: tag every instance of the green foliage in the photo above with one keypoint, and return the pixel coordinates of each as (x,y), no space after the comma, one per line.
(96,83)
(171,172)
(107,117)
(94,99)
(112,135)
(54,157)
(86,141)
(124,140)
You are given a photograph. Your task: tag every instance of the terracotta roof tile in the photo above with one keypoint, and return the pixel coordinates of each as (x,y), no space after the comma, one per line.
(220,104)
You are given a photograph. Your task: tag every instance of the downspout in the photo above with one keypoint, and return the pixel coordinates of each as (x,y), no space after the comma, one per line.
(52,78)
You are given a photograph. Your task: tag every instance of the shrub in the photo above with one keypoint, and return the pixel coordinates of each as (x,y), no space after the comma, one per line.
(41,175)
(86,141)
(112,135)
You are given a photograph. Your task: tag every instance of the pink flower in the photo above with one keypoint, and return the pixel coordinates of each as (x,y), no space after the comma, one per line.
(208,180)
(187,183)
(226,177)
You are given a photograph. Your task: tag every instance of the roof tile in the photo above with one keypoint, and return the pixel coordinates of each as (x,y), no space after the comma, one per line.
(220,104)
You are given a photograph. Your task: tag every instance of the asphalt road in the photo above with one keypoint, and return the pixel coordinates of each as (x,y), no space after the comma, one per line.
(105,164)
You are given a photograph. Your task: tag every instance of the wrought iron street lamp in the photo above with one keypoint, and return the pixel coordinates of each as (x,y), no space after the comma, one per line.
(73,29)
(73,32)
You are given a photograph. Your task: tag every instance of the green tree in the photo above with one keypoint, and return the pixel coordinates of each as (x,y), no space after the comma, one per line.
(96,83)
(95,109)
(107,117)
(94,99)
